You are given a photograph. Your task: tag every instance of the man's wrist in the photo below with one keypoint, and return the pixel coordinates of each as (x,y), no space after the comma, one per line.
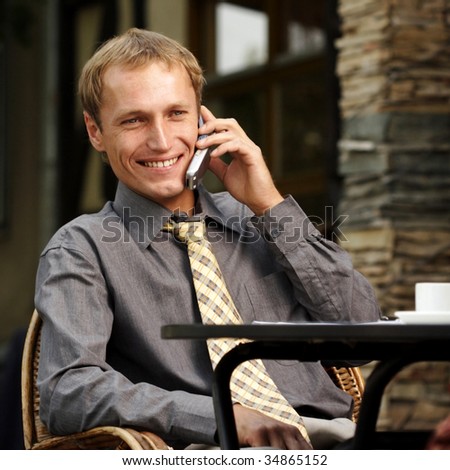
(261,209)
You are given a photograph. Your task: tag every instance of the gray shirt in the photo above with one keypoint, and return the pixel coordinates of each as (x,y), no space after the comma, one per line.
(107,282)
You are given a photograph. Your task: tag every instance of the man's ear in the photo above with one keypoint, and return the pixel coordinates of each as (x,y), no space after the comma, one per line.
(94,132)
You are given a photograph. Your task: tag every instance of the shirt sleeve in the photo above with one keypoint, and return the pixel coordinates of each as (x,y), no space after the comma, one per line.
(321,272)
(79,389)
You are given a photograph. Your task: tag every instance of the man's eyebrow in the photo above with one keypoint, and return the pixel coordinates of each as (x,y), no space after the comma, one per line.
(178,104)
(127,112)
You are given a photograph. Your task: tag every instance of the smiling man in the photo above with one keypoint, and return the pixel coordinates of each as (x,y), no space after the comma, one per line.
(103,298)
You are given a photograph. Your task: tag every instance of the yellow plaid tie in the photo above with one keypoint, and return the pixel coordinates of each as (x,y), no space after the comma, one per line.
(250,385)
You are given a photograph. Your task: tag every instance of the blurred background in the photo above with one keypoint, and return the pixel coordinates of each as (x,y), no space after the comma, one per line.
(349,100)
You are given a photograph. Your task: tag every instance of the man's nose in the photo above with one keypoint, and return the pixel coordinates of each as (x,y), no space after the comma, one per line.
(159,137)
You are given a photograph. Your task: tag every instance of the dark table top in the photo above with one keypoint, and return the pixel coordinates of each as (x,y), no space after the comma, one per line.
(386,331)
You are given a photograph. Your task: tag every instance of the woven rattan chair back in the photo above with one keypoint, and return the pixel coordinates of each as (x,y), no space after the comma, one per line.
(351,381)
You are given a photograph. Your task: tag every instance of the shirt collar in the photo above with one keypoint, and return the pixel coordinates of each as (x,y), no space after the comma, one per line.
(144,218)
(141,217)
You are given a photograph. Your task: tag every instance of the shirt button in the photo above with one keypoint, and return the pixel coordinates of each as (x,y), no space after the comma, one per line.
(275,233)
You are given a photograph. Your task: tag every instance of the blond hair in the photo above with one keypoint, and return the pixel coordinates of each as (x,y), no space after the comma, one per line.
(134,48)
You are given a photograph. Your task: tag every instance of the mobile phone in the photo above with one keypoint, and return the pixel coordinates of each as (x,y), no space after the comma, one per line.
(199,163)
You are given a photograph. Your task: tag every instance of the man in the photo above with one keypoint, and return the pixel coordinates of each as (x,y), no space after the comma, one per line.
(107,282)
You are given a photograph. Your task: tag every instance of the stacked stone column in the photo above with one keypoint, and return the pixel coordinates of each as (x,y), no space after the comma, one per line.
(394,150)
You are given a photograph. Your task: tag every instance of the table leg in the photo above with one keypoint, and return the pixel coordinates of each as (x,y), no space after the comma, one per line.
(223,406)
(383,373)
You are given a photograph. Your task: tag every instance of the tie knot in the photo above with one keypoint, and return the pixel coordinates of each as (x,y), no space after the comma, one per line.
(187,231)
(192,231)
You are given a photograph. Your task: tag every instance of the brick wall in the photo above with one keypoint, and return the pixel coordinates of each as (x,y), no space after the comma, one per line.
(394,71)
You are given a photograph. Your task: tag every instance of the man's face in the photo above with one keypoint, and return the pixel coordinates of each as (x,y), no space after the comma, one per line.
(149,126)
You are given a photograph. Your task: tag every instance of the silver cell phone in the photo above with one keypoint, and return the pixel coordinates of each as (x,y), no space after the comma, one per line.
(199,164)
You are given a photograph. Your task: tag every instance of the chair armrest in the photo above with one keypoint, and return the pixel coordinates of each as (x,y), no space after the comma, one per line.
(105,437)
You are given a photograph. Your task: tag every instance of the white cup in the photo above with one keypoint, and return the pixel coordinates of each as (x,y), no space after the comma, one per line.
(433,296)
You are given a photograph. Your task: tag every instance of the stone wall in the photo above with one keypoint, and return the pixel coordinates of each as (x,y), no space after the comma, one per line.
(394,71)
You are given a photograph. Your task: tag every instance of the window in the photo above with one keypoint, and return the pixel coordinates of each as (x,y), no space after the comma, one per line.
(241,38)
(269,64)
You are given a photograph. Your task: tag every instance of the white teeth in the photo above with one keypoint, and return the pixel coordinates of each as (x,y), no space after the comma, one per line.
(162,164)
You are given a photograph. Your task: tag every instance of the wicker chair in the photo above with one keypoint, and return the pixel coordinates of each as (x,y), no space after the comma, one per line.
(351,381)
(36,435)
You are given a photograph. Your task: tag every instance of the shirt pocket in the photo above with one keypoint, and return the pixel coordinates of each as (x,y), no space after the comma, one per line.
(272,299)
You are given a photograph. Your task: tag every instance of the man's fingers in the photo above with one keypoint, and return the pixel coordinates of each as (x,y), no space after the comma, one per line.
(218,167)
(279,438)
(258,430)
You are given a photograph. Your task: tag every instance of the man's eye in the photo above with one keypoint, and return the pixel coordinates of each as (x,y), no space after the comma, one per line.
(131,121)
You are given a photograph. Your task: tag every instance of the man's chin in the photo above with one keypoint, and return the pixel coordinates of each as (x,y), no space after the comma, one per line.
(164,193)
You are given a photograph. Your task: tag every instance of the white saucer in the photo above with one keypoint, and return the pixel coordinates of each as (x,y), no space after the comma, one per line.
(424,318)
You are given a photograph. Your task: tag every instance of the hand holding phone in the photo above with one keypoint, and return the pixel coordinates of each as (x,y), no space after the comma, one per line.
(199,163)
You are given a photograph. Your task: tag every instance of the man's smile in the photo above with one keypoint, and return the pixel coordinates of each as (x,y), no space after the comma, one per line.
(161,163)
